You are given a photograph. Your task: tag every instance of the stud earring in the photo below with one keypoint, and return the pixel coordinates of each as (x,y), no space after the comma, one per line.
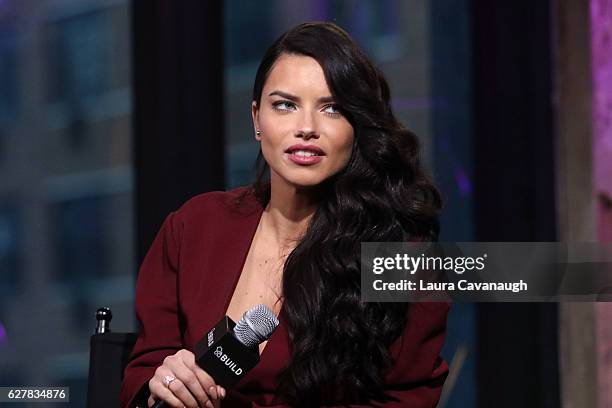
(258,133)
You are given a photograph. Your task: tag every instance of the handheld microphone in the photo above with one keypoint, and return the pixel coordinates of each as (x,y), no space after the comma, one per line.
(229,350)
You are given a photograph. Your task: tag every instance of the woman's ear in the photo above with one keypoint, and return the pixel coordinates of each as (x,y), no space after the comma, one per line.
(255,116)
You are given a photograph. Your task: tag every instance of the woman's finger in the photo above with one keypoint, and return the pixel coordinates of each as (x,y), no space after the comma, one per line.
(189,386)
(168,378)
(205,380)
(159,391)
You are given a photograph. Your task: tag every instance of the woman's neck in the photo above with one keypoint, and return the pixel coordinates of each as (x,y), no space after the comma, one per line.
(287,214)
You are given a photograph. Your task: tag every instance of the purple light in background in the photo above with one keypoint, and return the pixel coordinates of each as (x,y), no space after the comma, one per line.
(601,65)
(463,182)
(320,10)
(3,336)
(601,49)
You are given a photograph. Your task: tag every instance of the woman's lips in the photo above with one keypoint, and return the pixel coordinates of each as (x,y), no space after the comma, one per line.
(304,160)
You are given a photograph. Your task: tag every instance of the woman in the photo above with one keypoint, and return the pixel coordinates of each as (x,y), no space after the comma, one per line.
(342,170)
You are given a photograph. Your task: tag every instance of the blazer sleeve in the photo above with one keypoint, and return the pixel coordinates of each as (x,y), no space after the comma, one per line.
(419,373)
(157,311)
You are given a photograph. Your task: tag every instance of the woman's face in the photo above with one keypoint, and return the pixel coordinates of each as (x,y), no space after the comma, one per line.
(304,138)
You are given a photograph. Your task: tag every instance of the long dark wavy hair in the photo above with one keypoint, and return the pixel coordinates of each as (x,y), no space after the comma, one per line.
(340,345)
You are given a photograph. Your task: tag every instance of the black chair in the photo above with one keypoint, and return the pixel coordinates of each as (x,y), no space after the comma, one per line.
(108,356)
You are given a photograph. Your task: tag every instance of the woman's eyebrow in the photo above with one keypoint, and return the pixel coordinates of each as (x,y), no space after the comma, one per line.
(294,98)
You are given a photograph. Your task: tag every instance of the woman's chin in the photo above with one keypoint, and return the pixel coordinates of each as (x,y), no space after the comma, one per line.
(305,183)
(299,179)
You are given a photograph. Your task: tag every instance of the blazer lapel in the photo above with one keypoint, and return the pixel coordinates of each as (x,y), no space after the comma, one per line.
(233,244)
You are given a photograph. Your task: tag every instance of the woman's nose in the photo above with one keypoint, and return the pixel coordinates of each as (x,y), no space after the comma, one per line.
(307,127)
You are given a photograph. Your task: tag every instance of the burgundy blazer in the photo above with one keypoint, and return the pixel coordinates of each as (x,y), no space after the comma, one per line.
(184,288)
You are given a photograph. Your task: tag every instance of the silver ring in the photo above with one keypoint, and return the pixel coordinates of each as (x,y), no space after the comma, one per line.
(168,379)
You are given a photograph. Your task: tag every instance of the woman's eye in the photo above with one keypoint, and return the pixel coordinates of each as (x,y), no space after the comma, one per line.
(284,106)
(332,110)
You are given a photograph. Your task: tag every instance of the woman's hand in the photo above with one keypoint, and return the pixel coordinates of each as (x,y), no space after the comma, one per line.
(181,383)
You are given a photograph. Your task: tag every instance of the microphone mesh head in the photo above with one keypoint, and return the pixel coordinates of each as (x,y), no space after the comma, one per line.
(255,326)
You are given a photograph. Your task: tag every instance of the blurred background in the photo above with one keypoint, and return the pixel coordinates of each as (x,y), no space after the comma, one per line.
(115,112)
